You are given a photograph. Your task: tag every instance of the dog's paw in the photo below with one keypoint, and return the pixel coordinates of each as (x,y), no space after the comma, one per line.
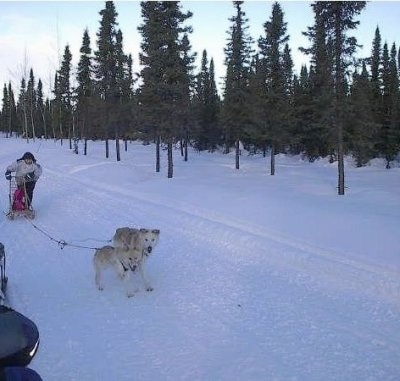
(100,288)
(149,289)
(130,295)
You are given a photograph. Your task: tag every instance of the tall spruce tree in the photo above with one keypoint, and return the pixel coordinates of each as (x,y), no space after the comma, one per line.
(340,19)
(5,112)
(389,133)
(164,92)
(105,68)
(337,18)
(41,110)
(31,103)
(188,89)
(360,122)
(214,103)
(375,64)
(277,65)
(64,90)
(236,113)
(206,106)
(84,90)
(317,135)
(303,140)
(23,110)
(105,64)
(13,117)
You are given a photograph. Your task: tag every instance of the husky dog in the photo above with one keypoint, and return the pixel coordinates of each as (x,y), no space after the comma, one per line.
(138,244)
(107,256)
(135,239)
(131,249)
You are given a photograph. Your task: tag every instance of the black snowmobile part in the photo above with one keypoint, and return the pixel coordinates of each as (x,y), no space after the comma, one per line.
(19,338)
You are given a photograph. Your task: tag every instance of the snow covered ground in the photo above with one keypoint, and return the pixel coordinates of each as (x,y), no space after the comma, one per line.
(256,277)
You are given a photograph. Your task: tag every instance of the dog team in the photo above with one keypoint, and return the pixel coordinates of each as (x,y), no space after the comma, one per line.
(131,247)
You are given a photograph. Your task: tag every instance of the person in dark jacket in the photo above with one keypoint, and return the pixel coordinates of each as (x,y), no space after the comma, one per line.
(27,171)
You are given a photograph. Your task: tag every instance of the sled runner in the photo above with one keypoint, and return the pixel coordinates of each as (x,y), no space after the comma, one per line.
(19,205)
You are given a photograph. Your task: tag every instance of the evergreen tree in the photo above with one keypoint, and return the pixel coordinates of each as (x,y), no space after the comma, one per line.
(5,112)
(317,135)
(105,67)
(188,89)
(375,62)
(56,111)
(256,131)
(85,87)
(166,62)
(31,103)
(41,116)
(206,102)
(389,134)
(214,109)
(13,120)
(336,19)
(22,110)
(65,94)
(236,113)
(360,121)
(277,65)
(340,17)
(303,131)
(113,75)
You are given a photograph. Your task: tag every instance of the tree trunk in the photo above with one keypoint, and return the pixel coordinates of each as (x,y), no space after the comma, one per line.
(237,154)
(186,145)
(340,160)
(170,160)
(10,121)
(181,146)
(117,148)
(44,123)
(32,123)
(107,149)
(158,142)
(26,123)
(273,159)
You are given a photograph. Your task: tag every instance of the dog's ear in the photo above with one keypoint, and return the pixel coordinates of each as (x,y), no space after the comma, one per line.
(155,231)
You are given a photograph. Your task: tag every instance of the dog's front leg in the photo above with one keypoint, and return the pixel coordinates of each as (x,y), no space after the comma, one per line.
(144,278)
(128,284)
(98,280)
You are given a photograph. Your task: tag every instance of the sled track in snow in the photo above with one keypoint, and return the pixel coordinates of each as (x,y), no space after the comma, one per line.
(263,244)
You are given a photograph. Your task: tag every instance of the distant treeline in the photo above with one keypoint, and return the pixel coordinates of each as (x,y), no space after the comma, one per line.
(336,106)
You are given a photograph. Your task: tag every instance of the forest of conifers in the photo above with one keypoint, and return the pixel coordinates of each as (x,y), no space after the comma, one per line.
(336,106)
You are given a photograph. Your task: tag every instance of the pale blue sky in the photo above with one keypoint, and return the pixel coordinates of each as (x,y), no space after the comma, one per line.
(34,34)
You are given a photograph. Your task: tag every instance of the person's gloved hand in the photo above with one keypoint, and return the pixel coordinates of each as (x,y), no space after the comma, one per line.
(8,175)
(30,176)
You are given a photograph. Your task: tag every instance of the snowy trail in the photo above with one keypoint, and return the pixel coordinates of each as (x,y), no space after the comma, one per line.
(255,240)
(233,299)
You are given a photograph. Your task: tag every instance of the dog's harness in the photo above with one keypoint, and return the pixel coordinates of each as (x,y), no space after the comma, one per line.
(132,268)
(145,253)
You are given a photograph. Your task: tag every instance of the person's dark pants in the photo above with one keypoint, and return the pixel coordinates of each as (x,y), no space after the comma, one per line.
(30,186)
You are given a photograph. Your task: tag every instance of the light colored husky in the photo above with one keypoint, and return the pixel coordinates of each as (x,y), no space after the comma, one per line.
(130,251)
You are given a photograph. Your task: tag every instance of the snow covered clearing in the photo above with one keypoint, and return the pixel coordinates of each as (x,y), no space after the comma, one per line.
(255,277)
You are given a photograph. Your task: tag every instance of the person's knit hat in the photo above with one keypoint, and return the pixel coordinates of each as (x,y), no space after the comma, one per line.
(28,156)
